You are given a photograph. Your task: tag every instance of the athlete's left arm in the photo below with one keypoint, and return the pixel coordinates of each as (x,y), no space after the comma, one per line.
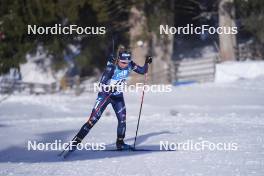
(139,69)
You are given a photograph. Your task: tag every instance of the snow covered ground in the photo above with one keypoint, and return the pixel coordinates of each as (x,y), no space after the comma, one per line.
(233,71)
(216,112)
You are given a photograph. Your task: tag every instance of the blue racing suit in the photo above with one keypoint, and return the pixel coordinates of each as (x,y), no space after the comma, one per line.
(112,75)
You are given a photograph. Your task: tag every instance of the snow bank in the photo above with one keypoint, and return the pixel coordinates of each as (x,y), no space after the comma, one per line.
(233,71)
(37,69)
(31,73)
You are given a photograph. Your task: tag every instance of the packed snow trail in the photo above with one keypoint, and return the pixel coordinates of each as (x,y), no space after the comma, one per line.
(232,112)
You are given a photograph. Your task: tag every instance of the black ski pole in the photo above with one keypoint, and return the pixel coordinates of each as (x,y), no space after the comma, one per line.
(141,104)
(113,46)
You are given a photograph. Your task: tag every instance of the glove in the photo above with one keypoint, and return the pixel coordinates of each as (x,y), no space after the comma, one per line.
(148,60)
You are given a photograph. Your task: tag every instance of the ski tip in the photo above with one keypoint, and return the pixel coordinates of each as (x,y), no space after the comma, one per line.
(64,154)
(60,154)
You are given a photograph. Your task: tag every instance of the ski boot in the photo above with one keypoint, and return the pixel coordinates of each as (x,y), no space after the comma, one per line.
(120,145)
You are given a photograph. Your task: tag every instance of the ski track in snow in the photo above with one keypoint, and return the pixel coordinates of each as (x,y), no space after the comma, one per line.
(217,112)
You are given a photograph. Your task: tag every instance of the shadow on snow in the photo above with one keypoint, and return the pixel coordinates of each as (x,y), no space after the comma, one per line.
(17,154)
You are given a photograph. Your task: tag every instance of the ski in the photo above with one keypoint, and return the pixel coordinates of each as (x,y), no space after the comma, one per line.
(62,152)
(65,153)
(137,150)
(67,149)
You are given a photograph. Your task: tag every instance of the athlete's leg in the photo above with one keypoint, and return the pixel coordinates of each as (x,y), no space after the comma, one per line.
(101,103)
(118,104)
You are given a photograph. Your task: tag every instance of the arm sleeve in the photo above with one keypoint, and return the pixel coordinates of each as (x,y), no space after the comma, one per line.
(107,74)
(138,69)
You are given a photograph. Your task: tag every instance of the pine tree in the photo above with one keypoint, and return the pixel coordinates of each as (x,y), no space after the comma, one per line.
(16,15)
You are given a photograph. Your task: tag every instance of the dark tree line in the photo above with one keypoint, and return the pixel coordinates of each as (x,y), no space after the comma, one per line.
(115,15)
(17,14)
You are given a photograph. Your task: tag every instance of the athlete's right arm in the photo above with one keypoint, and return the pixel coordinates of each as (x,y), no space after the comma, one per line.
(107,74)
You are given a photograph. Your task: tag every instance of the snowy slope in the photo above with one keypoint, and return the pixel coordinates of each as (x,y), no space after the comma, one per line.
(233,71)
(219,112)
